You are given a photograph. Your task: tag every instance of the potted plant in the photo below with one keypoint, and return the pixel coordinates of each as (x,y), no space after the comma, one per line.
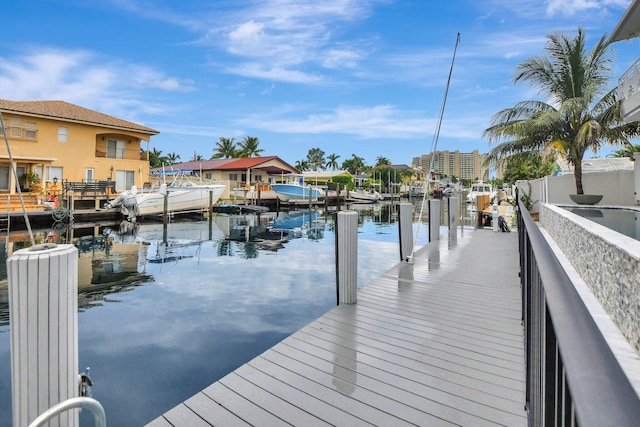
(579,112)
(32,180)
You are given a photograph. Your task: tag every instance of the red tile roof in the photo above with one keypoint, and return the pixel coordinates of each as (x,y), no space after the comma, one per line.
(69,112)
(199,165)
(246,162)
(234,165)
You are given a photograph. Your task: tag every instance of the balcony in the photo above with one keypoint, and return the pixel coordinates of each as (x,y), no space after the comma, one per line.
(629,92)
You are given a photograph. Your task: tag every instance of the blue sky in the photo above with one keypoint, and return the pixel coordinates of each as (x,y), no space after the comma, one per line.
(364,77)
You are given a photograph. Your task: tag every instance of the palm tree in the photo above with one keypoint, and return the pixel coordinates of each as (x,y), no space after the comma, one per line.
(172,158)
(579,113)
(382,161)
(332,161)
(354,165)
(249,147)
(315,158)
(225,149)
(156,159)
(627,151)
(196,157)
(302,165)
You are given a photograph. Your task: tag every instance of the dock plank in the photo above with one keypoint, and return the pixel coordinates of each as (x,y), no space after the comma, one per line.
(438,342)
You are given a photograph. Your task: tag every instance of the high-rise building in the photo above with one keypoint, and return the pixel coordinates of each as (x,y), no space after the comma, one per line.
(455,163)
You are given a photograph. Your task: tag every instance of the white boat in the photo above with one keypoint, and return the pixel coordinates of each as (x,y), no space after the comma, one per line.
(480,189)
(185,191)
(293,187)
(364,196)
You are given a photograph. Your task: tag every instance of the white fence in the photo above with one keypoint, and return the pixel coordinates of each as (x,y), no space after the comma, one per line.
(617,187)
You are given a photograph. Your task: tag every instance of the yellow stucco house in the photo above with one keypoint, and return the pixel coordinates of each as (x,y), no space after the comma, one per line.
(55,139)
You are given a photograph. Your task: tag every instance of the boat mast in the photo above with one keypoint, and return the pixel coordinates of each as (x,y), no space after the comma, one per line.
(434,146)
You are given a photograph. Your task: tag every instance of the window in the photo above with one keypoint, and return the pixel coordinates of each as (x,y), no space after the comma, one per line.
(208,175)
(258,178)
(124,180)
(53,172)
(243,177)
(115,149)
(233,177)
(16,127)
(30,130)
(89,174)
(4,178)
(63,133)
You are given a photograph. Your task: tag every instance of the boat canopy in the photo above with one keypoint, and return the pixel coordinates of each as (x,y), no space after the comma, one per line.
(173,172)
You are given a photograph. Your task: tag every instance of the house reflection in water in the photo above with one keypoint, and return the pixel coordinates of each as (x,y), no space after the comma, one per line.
(105,266)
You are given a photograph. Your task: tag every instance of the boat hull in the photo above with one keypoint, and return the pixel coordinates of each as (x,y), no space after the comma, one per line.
(179,199)
(286,192)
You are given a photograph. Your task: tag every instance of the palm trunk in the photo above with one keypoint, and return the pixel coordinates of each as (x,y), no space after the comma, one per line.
(578,177)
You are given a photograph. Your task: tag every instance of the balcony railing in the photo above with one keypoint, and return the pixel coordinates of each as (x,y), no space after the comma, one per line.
(629,92)
(629,82)
(573,378)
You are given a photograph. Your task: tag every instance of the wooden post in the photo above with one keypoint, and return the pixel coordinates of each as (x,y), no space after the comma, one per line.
(405,228)
(43,305)
(434,220)
(346,257)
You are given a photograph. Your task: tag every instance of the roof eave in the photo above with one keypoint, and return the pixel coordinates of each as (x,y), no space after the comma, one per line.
(629,25)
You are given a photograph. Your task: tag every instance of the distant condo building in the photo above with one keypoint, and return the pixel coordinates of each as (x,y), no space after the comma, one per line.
(455,163)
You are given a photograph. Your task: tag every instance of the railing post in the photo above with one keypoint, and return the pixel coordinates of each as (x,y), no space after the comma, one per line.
(346,257)
(405,228)
(43,305)
(434,220)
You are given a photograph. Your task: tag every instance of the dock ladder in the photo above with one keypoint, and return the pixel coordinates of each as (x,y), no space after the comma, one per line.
(5,225)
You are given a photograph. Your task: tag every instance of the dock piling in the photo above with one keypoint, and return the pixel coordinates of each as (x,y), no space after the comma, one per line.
(346,257)
(405,228)
(453,217)
(434,220)
(43,305)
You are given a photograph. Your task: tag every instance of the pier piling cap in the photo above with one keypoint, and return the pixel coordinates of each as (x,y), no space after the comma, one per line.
(43,247)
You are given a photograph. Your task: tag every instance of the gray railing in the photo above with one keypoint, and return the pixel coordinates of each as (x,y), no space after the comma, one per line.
(573,378)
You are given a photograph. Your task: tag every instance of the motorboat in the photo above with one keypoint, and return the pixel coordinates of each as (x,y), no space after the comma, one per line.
(184,190)
(364,196)
(480,189)
(293,187)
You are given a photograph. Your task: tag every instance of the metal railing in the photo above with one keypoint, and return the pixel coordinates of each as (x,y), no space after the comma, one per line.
(92,405)
(629,82)
(572,377)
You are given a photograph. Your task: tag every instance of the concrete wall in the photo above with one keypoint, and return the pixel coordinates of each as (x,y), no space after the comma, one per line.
(608,262)
(617,187)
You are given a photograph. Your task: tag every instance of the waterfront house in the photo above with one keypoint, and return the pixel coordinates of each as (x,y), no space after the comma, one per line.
(238,174)
(62,141)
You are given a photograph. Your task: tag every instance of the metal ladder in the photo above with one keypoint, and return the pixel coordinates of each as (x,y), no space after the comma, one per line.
(5,225)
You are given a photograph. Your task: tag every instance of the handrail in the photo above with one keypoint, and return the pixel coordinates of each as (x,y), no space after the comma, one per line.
(100,419)
(572,375)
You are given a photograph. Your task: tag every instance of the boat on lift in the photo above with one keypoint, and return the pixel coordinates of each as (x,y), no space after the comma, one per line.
(185,190)
(293,187)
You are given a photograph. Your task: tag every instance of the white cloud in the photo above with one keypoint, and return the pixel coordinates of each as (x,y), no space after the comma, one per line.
(258,70)
(83,78)
(381,121)
(571,7)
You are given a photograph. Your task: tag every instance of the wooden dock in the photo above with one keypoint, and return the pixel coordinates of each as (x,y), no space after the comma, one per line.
(435,343)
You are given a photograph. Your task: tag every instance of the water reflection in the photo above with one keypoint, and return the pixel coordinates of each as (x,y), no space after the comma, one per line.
(197,299)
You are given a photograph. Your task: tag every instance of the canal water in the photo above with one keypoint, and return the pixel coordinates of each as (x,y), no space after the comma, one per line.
(166,312)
